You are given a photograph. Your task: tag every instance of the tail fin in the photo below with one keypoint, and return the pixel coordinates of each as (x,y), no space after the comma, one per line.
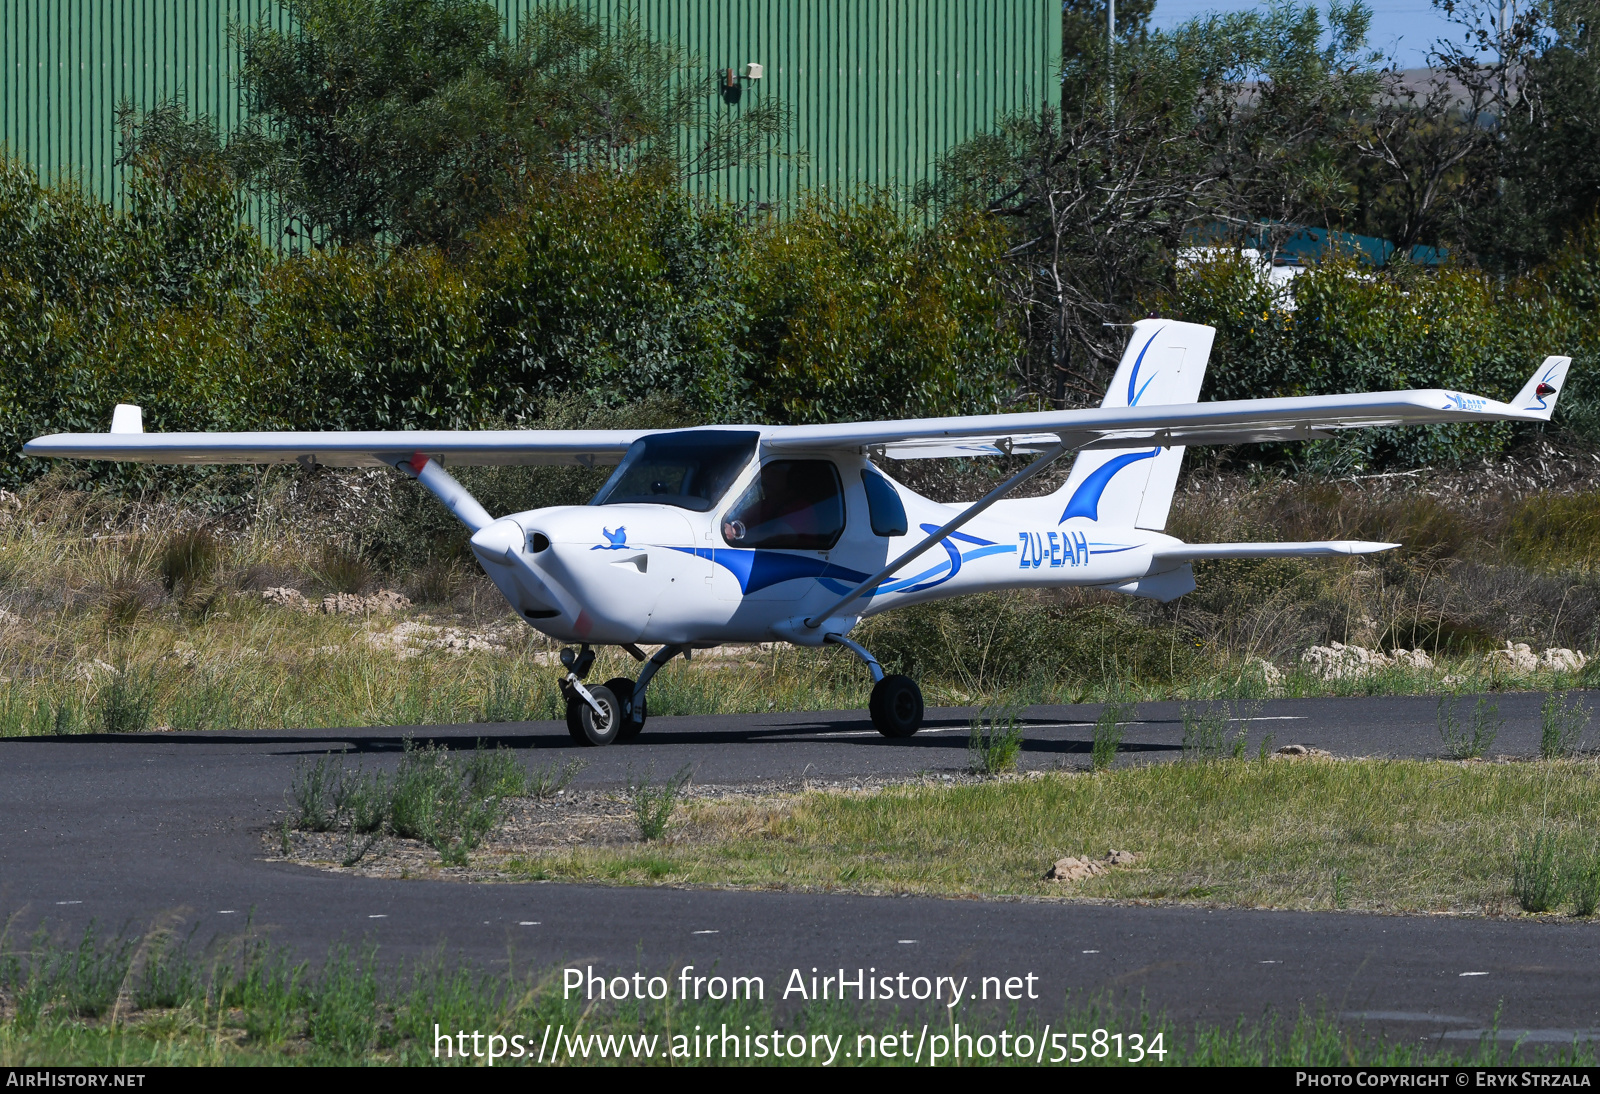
(1163,365)
(1539,393)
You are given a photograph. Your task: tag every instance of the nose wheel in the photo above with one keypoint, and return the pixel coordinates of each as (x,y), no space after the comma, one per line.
(613,711)
(597,720)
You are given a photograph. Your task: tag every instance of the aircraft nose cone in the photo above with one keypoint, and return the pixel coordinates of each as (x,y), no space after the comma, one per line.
(495,540)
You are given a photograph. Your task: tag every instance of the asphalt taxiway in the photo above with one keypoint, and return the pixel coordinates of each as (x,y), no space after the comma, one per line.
(127,831)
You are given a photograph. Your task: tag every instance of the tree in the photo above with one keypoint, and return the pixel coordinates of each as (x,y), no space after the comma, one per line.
(413,121)
(1535,80)
(1230,122)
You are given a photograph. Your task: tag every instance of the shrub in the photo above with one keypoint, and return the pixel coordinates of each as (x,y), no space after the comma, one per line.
(995,740)
(1108,730)
(1461,743)
(1355,329)
(1205,731)
(127,701)
(1536,877)
(654,802)
(1583,883)
(446,803)
(1561,725)
(187,559)
(606,288)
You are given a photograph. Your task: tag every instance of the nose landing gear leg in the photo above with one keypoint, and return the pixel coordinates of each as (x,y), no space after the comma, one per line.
(594,715)
(896,703)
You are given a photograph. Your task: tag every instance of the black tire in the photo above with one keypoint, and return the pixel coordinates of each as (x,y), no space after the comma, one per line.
(633,722)
(896,706)
(574,722)
(593,728)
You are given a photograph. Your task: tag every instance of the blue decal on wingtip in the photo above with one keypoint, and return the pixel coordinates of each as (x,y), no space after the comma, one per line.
(1133,378)
(1085,500)
(1539,403)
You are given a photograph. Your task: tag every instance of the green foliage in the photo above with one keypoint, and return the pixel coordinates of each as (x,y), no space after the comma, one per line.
(1537,880)
(316,791)
(996,642)
(450,804)
(416,121)
(1355,330)
(856,312)
(1582,880)
(447,802)
(1108,730)
(654,802)
(127,702)
(1561,725)
(1205,730)
(598,293)
(995,740)
(1461,743)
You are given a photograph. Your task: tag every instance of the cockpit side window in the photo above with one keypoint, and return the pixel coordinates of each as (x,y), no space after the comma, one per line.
(798,504)
(691,469)
(884,507)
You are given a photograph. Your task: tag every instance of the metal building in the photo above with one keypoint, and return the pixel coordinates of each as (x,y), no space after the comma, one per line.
(878,89)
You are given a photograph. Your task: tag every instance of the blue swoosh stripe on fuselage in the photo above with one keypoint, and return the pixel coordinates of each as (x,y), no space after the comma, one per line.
(757,570)
(904,584)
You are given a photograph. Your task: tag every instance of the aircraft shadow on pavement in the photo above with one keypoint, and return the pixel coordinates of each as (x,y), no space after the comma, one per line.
(529,736)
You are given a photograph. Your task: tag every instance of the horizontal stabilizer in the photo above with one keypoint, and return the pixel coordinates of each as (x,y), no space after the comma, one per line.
(1189,552)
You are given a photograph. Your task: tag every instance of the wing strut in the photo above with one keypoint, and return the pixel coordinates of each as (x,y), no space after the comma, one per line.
(1049,456)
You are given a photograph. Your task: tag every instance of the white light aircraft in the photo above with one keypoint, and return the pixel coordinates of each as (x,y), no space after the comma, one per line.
(721,534)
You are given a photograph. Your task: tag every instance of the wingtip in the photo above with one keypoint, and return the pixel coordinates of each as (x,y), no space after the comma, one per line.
(1538,396)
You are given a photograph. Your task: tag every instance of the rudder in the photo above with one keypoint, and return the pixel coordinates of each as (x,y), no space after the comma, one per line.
(1164,365)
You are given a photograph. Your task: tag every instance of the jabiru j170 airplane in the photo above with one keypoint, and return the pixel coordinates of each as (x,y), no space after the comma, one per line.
(705,536)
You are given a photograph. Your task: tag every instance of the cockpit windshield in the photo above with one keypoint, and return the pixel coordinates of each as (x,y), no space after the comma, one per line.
(691,469)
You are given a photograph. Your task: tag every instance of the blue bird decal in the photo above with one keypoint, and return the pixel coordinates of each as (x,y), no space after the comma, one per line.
(615,541)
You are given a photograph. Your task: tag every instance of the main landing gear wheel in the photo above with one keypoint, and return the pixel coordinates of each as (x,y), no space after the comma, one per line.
(594,727)
(634,714)
(896,706)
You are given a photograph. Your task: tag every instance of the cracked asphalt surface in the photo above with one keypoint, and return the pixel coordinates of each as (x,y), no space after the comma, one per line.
(129,830)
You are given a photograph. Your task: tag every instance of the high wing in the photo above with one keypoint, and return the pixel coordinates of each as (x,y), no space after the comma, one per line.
(1242,421)
(576,447)
(1233,422)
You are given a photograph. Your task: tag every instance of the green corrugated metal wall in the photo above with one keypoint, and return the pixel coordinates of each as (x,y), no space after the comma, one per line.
(879,89)
(65,65)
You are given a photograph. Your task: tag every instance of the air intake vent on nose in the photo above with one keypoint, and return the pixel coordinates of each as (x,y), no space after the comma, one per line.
(538,541)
